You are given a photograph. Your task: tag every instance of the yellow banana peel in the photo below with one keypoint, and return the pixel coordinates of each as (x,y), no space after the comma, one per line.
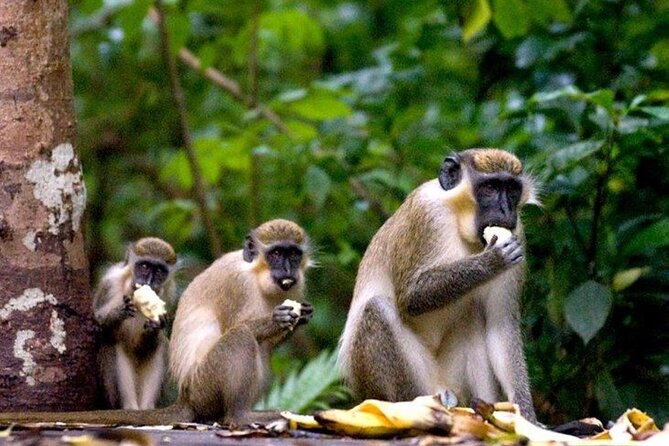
(630,425)
(376,418)
(488,422)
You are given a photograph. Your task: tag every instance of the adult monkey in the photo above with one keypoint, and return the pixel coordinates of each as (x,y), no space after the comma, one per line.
(434,305)
(228,320)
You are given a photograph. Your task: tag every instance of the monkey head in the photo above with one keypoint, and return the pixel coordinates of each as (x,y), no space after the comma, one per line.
(278,251)
(152,261)
(487,187)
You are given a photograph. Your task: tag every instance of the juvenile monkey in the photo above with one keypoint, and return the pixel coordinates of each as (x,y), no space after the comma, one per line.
(228,320)
(434,305)
(133,352)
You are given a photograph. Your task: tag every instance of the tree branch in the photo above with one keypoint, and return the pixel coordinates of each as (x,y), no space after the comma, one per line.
(254,94)
(571,218)
(180,103)
(225,83)
(366,195)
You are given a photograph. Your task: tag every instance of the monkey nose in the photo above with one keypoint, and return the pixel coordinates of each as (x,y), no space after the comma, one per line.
(286,283)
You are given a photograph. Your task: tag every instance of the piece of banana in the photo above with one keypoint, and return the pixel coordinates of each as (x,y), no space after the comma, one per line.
(502,234)
(296,421)
(148,303)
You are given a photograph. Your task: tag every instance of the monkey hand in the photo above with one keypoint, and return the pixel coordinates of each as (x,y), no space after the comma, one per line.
(153,325)
(285,316)
(509,252)
(128,309)
(306,313)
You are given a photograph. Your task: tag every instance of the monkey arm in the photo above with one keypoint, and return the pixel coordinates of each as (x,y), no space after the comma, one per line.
(266,329)
(108,312)
(433,288)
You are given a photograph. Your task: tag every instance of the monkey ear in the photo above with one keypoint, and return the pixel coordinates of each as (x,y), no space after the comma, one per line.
(450,173)
(250,252)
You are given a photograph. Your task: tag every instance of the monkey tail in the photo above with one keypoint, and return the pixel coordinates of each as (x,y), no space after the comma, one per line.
(176,413)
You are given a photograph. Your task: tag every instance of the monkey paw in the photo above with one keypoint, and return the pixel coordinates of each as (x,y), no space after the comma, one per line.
(150,324)
(285,316)
(128,310)
(511,251)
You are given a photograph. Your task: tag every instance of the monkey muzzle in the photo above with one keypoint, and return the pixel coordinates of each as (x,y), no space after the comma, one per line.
(286,283)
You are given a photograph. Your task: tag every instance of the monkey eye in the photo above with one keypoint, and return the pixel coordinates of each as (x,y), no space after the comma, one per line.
(487,189)
(274,254)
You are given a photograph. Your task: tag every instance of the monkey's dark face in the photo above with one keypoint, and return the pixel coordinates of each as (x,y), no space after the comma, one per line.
(152,273)
(285,263)
(497,198)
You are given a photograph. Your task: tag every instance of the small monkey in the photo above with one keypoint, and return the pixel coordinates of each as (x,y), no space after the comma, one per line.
(435,306)
(228,320)
(133,353)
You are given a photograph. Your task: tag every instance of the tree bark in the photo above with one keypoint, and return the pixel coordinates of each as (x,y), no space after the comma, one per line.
(47,351)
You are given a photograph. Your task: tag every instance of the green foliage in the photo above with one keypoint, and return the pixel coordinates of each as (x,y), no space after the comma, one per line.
(369,97)
(316,386)
(586,309)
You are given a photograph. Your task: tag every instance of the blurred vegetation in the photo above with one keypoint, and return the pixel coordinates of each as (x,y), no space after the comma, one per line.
(341,108)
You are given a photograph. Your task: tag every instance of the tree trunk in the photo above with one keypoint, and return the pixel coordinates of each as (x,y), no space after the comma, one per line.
(47,351)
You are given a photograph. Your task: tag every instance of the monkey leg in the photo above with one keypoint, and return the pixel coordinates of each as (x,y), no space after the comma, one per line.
(378,366)
(151,376)
(481,381)
(126,379)
(229,379)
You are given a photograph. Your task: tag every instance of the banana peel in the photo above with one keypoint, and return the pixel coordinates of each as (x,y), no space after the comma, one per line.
(487,422)
(377,419)
(632,425)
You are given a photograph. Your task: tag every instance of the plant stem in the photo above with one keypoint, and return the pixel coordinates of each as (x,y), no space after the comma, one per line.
(180,103)
(598,206)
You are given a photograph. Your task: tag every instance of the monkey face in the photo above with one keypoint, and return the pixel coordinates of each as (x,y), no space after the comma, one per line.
(152,273)
(497,197)
(284,261)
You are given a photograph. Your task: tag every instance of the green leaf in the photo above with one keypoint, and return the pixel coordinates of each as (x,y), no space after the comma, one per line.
(315,384)
(586,309)
(658,112)
(511,17)
(626,278)
(567,92)
(543,11)
(574,153)
(603,98)
(320,106)
(132,16)
(178,28)
(653,237)
(317,185)
(638,100)
(608,397)
(301,131)
(477,20)
(177,170)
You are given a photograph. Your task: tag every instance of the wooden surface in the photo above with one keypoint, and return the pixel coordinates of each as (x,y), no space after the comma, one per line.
(48,437)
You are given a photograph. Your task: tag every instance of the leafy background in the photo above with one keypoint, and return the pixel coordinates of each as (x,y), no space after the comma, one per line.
(341,108)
